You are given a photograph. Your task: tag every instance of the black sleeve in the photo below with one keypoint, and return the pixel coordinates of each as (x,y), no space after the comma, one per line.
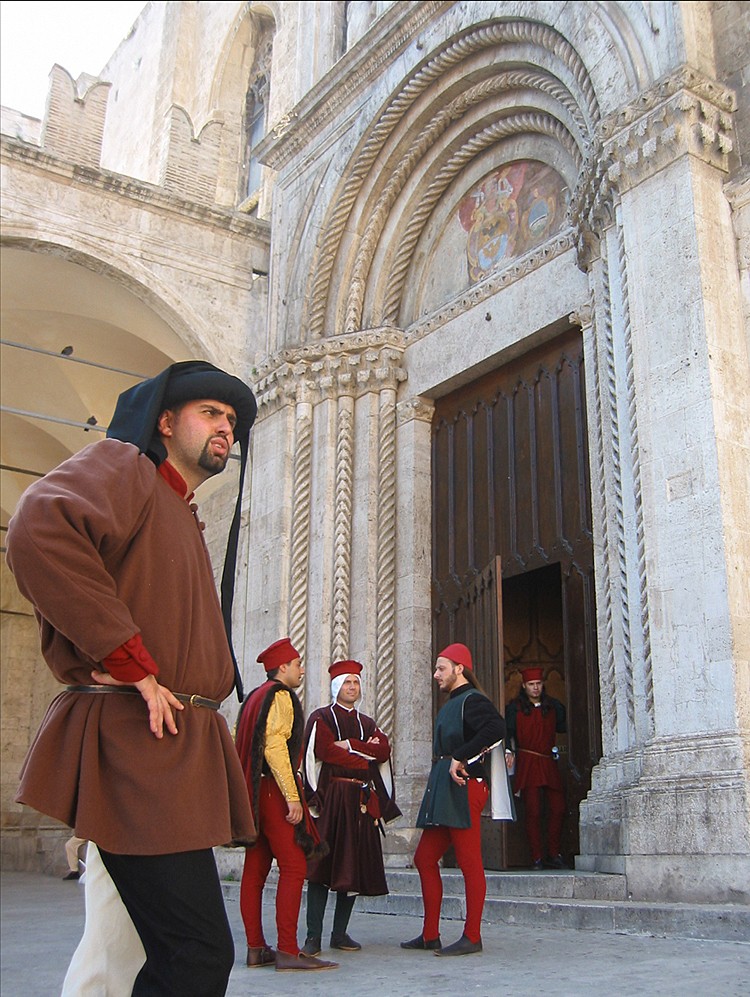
(560,724)
(510,724)
(483,726)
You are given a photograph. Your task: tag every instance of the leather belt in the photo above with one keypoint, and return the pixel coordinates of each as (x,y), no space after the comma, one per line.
(528,751)
(198,701)
(343,778)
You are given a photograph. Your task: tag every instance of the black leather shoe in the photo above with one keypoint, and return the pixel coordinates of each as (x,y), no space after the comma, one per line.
(311,946)
(537,864)
(263,956)
(558,862)
(72,875)
(343,942)
(462,947)
(420,943)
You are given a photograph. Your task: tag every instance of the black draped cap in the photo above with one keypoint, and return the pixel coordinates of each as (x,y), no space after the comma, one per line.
(134,421)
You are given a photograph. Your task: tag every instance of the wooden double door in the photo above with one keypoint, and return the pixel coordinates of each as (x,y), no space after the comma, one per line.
(513,553)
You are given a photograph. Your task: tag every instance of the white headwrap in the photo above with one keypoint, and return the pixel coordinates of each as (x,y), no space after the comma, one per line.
(339,681)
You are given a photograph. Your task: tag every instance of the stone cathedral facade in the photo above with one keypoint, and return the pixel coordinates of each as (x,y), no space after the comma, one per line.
(486,267)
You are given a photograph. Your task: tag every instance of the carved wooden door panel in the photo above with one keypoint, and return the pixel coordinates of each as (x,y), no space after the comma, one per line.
(510,481)
(474,617)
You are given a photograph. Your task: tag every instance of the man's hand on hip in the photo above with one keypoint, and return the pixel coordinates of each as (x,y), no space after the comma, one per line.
(159,700)
(458,772)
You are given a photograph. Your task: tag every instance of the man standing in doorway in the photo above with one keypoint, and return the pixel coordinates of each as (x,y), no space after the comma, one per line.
(109,550)
(533,720)
(269,743)
(467,727)
(349,786)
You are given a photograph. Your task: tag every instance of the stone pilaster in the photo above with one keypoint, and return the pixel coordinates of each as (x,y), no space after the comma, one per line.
(662,413)
(413,650)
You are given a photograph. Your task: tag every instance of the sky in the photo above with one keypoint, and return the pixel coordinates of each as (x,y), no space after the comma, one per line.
(34,36)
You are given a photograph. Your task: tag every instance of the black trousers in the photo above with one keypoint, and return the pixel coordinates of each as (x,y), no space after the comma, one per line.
(317,897)
(176,904)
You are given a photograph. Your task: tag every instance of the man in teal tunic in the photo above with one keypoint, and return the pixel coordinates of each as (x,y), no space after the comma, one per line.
(467,727)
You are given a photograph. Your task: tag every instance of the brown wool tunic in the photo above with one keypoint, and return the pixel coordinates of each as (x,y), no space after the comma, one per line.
(103,548)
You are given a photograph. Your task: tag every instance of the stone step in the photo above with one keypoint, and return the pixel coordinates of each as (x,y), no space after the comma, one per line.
(584,901)
(563,885)
(726,922)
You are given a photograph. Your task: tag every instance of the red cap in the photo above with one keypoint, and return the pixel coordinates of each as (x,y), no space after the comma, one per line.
(460,654)
(344,668)
(281,652)
(532,674)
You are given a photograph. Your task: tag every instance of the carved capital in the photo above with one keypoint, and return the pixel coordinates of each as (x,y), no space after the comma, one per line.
(415,408)
(347,366)
(592,207)
(584,316)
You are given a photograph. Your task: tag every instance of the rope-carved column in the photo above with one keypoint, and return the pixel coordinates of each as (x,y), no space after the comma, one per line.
(325,383)
(386,566)
(343,525)
(610,405)
(607,662)
(301,510)
(615,658)
(635,468)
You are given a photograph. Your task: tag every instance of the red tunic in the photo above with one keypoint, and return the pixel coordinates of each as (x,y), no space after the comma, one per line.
(535,735)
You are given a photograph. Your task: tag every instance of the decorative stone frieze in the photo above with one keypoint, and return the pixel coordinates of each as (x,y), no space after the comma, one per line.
(685,113)
(355,365)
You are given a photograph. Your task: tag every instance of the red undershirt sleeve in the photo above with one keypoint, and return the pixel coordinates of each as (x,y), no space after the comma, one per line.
(130,662)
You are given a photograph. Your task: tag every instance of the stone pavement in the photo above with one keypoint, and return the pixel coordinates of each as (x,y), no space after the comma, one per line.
(42,920)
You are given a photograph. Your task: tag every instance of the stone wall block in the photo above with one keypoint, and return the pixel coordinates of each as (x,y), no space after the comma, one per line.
(74,117)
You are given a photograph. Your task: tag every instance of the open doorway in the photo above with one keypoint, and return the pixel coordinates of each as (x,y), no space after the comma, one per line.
(534,637)
(513,548)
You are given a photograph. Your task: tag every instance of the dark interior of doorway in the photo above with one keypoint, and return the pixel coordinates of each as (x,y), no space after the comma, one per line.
(533,637)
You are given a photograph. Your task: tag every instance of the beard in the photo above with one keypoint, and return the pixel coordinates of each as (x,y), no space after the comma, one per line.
(214,463)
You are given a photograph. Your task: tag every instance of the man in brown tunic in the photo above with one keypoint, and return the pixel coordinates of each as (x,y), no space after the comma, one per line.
(109,551)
